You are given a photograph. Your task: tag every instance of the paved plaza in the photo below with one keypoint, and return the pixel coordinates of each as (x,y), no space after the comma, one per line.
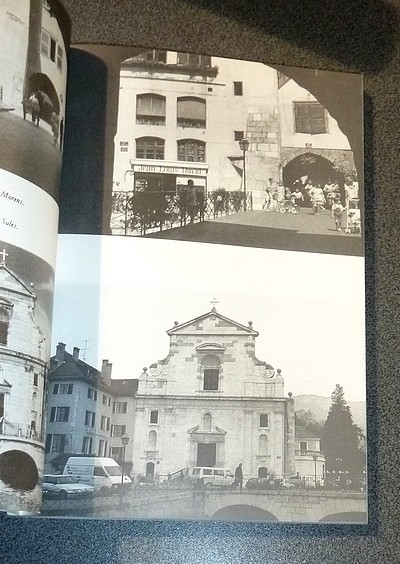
(285,231)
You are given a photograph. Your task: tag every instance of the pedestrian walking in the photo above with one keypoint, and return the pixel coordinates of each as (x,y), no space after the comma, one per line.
(55,127)
(239,476)
(191,200)
(337,212)
(35,108)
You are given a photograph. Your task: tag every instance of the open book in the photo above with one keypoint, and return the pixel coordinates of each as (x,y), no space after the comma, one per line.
(204,358)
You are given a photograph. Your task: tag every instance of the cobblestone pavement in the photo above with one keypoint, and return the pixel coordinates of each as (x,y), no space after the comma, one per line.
(28,151)
(285,231)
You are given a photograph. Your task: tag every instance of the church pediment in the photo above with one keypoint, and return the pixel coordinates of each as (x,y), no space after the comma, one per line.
(11,282)
(212,322)
(214,431)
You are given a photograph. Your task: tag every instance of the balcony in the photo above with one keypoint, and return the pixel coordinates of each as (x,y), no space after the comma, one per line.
(310,454)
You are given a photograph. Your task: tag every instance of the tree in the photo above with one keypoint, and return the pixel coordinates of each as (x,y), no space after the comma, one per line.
(306,420)
(341,437)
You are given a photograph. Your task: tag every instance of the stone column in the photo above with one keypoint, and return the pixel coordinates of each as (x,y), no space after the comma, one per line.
(263,155)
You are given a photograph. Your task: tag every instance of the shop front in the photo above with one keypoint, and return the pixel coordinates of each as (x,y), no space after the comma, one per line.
(167,177)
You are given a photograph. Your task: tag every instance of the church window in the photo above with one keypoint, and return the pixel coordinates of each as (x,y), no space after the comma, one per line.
(5,317)
(207,422)
(211,372)
(152,440)
(264,420)
(263,445)
(154,416)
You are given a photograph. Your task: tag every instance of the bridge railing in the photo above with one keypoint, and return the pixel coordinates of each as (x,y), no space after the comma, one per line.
(141,212)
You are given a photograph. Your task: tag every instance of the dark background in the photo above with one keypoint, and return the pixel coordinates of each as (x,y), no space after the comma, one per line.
(352,35)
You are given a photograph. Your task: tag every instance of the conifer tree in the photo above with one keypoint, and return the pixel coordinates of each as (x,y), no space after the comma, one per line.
(341,437)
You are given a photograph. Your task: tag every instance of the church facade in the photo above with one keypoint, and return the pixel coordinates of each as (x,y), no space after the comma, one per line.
(212,402)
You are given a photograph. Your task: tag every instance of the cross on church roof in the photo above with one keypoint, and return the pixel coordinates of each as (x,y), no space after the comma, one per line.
(214,301)
(3,255)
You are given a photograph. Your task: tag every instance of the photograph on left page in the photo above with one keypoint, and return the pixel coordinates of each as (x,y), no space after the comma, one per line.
(26,298)
(34,39)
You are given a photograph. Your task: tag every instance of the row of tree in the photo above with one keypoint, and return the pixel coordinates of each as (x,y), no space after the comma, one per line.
(342,441)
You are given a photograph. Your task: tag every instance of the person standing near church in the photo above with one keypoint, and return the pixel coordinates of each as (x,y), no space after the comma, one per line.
(239,476)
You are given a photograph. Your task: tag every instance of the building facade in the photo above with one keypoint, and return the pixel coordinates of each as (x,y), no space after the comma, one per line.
(84,411)
(23,371)
(181,117)
(211,402)
(32,55)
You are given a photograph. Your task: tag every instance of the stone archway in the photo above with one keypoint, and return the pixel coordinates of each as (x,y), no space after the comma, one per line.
(346,517)
(243,513)
(27,476)
(51,103)
(313,165)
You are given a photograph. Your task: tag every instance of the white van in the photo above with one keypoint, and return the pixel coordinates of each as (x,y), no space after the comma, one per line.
(217,477)
(104,474)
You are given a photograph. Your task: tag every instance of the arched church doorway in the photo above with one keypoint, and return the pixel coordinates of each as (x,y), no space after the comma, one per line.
(313,167)
(263,472)
(150,472)
(39,82)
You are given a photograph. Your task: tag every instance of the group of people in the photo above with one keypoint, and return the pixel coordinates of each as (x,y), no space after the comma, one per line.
(34,104)
(321,198)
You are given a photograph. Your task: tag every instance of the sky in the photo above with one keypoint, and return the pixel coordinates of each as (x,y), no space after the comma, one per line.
(117,297)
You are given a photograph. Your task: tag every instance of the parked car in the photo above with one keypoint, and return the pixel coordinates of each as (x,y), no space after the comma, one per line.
(63,486)
(216,477)
(104,474)
(262,484)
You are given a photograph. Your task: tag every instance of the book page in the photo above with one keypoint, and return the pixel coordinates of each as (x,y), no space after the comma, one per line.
(33,70)
(209,335)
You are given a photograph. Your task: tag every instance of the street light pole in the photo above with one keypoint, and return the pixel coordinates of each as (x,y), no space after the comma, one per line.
(124,441)
(244,145)
(315,457)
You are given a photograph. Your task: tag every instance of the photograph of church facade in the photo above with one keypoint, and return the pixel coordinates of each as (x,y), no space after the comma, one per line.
(23,380)
(230,133)
(210,403)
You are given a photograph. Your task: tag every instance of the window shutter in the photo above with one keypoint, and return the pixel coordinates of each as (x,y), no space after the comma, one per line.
(55,389)
(70,387)
(48,443)
(52,414)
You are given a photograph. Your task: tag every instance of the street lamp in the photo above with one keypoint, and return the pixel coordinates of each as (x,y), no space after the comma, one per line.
(124,441)
(315,458)
(244,145)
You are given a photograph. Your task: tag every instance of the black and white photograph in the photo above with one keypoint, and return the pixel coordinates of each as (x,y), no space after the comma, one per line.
(26,297)
(33,76)
(235,152)
(210,382)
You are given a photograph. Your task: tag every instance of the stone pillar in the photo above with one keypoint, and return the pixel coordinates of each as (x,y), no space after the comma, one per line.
(289,462)
(263,155)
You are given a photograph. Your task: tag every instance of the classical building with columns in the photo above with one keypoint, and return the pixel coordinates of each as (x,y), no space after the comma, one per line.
(212,402)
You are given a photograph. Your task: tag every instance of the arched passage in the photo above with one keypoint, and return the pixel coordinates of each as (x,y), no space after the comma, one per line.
(318,169)
(243,513)
(27,476)
(51,103)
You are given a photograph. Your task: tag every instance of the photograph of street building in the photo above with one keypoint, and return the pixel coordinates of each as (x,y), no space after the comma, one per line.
(227,393)
(33,75)
(26,290)
(236,152)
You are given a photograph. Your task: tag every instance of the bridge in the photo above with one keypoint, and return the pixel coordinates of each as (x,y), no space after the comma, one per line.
(291,506)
